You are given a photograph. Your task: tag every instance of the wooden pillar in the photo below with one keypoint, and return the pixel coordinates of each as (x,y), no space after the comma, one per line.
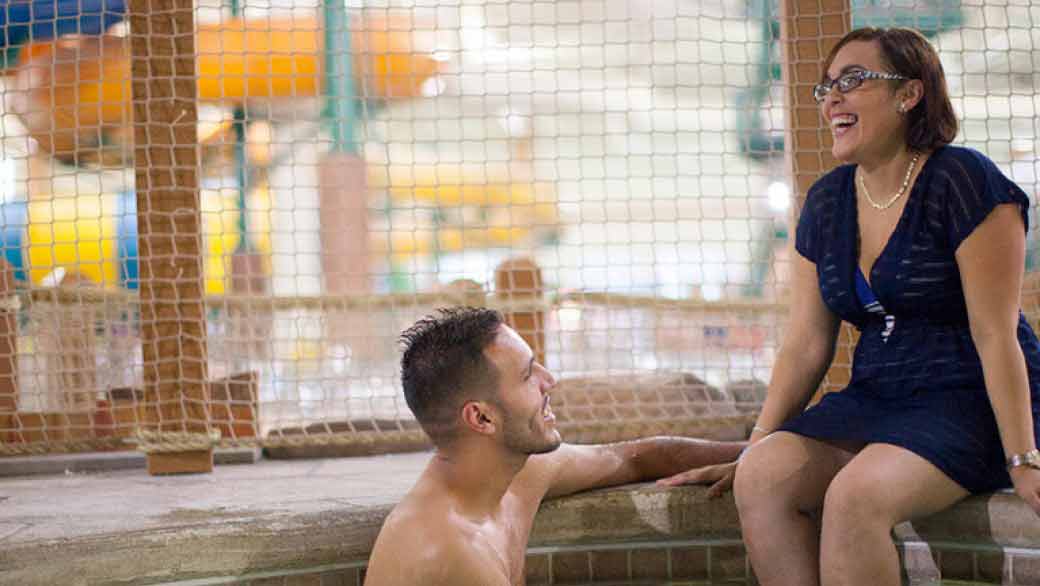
(234,405)
(343,189)
(472,292)
(344,231)
(343,204)
(8,340)
(808,31)
(166,163)
(73,346)
(519,281)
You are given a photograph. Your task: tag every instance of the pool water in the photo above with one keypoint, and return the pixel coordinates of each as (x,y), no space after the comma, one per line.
(741,582)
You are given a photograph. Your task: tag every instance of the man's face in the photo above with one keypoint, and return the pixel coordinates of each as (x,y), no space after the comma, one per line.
(528,424)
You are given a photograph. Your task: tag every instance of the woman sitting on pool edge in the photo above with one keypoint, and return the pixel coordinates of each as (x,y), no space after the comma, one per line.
(921,246)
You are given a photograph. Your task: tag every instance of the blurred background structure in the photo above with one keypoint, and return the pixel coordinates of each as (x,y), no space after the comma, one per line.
(216,219)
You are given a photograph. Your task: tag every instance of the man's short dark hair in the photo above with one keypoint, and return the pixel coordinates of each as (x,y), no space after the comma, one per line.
(444,365)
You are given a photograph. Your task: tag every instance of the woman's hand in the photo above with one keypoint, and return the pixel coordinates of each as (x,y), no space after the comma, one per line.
(719,476)
(1027,485)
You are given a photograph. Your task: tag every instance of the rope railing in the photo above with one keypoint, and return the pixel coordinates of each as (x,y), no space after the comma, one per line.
(86,296)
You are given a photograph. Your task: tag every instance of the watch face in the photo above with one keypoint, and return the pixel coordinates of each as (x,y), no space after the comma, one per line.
(1031,459)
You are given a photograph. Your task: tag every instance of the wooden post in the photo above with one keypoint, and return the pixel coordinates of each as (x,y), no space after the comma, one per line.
(166,161)
(472,292)
(73,347)
(808,31)
(343,204)
(8,355)
(8,340)
(251,327)
(518,281)
(343,189)
(234,405)
(344,231)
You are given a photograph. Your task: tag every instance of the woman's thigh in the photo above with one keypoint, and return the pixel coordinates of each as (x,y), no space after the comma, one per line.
(884,482)
(792,468)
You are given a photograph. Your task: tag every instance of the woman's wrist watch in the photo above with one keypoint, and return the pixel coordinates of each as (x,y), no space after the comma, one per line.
(1030,458)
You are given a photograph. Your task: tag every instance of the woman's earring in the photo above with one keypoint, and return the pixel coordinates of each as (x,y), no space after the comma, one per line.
(902,108)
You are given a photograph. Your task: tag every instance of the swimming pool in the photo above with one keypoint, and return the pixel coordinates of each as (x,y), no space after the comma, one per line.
(731,582)
(274,523)
(718,562)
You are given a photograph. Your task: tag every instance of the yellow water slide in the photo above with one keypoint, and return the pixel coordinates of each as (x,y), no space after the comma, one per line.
(73,93)
(475,209)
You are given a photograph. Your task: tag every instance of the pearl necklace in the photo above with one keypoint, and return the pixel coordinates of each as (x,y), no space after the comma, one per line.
(899,194)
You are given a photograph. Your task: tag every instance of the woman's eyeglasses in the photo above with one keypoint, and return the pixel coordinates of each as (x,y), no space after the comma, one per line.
(848,82)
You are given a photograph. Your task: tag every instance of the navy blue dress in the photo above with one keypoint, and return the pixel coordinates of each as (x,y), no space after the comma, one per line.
(916,376)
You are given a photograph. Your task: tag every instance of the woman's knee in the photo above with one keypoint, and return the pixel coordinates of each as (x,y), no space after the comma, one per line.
(751,477)
(750,494)
(753,473)
(885,485)
(785,470)
(853,501)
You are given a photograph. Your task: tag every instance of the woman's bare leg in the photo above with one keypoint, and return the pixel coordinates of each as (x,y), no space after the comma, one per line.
(779,486)
(882,486)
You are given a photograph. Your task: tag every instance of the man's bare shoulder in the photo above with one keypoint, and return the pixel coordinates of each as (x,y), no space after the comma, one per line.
(426,543)
(541,471)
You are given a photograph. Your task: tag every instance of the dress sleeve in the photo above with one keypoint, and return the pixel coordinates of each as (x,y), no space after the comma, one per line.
(975,186)
(807,233)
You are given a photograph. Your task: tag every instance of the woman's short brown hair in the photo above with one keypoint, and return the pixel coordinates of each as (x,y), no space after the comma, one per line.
(932,122)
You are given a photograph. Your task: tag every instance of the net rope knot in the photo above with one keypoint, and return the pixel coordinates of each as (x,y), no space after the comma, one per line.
(154,442)
(10,303)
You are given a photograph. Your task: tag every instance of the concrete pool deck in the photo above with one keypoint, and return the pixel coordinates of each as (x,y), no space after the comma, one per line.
(313,522)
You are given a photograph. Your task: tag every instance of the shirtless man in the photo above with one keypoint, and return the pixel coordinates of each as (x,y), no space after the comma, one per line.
(476,389)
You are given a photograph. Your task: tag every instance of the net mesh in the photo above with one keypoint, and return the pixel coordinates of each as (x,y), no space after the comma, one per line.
(220,216)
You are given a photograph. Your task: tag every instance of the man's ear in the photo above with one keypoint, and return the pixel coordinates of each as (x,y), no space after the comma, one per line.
(480,417)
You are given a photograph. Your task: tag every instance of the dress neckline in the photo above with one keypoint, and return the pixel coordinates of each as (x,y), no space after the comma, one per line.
(896,232)
(864,293)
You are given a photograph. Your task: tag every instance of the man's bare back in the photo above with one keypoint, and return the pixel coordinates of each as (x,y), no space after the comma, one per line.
(431,537)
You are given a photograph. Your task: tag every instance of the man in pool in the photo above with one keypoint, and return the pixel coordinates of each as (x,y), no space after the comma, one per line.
(476,389)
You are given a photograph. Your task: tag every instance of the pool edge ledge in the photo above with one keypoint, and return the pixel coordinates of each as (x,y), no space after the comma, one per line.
(275,542)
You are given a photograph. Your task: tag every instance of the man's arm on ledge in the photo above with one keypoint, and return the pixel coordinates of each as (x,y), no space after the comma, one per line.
(574,468)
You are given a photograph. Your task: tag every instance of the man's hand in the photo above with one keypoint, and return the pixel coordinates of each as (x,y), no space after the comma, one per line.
(719,476)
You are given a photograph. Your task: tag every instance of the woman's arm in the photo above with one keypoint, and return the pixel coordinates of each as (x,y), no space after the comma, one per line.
(805,354)
(991,262)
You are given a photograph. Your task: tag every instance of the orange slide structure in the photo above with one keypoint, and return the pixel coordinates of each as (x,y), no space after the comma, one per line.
(73,93)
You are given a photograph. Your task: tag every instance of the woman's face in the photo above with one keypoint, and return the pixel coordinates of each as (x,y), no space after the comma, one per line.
(865,123)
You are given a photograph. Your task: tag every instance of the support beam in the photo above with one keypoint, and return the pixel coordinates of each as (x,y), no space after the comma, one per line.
(8,341)
(166,163)
(519,281)
(342,184)
(808,31)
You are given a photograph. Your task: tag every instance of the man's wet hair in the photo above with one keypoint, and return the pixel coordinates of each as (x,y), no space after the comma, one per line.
(444,366)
